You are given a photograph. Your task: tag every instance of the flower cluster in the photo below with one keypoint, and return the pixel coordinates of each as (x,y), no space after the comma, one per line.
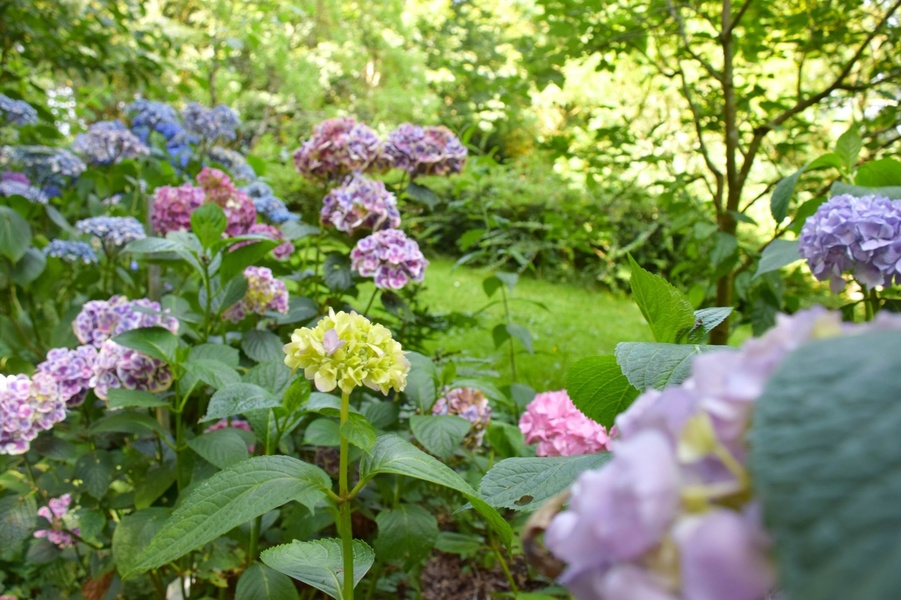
(17,112)
(121,367)
(172,207)
(100,320)
(560,429)
(211,123)
(338,146)
(347,350)
(390,257)
(861,235)
(233,161)
(469,403)
(44,165)
(281,252)
(671,515)
(424,150)
(264,293)
(72,370)
(28,405)
(108,142)
(15,187)
(267,204)
(71,251)
(360,203)
(57,516)
(238,206)
(149,116)
(112,231)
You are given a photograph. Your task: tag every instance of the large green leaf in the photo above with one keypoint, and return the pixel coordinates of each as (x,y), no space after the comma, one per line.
(15,234)
(782,195)
(649,365)
(441,435)
(407,533)
(525,483)
(394,455)
(259,582)
(211,372)
(123,398)
(263,346)
(319,563)
(229,498)
(208,222)
(599,389)
(157,342)
(848,146)
(29,267)
(274,376)
(133,534)
(358,432)
(839,187)
(96,470)
(18,516)
(825,461)
(885,172)
(222,447)
(666,309)
(778,254)
(422,381)
(239,398)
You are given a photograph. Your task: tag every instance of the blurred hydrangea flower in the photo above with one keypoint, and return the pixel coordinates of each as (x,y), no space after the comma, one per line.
(44,165)
(28,405)
(149,115)
(672,515)
(100,320)
(424,150)
(108,142)
(337,147)
(281,252)
(172,207)
(264,293)
(238,206)
(121,367)
(72,370)
(857,234)
(267,204)
(391,258)
(360,203)
(346,350)
(233,161)
(57,515)
(469,403)
(17,112)
(560,429)
(15,187)
(112,231)
(219,122)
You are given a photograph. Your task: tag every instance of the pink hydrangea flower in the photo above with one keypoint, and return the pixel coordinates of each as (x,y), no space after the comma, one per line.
(172,207)
(469,403)
(121,367)
(337,147)
(390,257)
(281,252)
(264,293)
(28,405)
(56,515)
(238,206)
(360,203)
(560,429)
(234,424)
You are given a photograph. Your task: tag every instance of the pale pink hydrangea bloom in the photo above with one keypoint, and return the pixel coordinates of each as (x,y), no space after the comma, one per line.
(58,534)
(264,293)
(560,429)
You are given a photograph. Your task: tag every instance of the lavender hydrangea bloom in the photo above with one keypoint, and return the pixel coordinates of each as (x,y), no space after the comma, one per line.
(17,188)
(172,207)
(267,204)
(469,403)
(28,405)
(17,112)
(15,176)
(100,320)
(56,514)
(112,231)
(338,147)
(108,142)
(71,251)
(44,165)
(861,235)
(72,370)
(211,123)
(264,293)
(121,367)
(389,257)
(360,203)
(424,150)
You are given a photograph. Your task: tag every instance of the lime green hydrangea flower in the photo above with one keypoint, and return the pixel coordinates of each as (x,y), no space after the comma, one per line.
(347,350)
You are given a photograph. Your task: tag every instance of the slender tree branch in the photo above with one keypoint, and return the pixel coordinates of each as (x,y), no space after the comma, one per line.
(737,18)
(687,46)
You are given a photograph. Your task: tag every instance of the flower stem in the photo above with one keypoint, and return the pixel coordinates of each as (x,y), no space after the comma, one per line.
(345,529)
(369,304)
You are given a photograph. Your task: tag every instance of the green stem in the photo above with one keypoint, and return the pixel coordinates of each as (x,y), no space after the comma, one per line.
(504,567)
(509,321)
(254,538)
(344,524)
(369,304)
(873,303)
(207,320)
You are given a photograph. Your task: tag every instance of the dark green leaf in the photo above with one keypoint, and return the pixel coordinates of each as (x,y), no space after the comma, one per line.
(263,346)
(649,365)
(29,267)
(122,398)
(423,195)
(599,389)
(336,272)
(319,563)
(124,421)
(208,222)
(154,484)
(777,254)
(18,516)
(407,534)
(667,311)
(274,376)
(211,372)
(422,381)
(133,534)
(442,435)
(782,195)
(259,582)
(885,172)
(236,260)
(96,470)
(15,234)
(222,447)
(522,334)
(231,293)
(300,310)
(838,188)
(239,398)
(706,319)
(157,342)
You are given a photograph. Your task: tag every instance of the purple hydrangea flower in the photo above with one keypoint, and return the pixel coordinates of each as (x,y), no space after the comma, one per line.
(172,207)
(72,370)
(424,150)
(360,203)
(15,176)
(108,142)
(17,112)
(100,320)
(469,403)
(28,405)
(121,367)
(211,123)
(264,293)
(860,235)
(112,231)
(390,257)
(56,515)
(17,188)
(338,147)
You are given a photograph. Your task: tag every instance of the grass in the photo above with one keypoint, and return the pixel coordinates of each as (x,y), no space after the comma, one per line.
(578,322)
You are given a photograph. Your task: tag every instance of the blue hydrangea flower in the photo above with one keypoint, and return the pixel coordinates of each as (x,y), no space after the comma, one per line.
(44,165)
(211,123)
(234,162)
(148,116)
(17,112)
(71,251)
(860,235)
(17,188)
(267,204)
(112,231)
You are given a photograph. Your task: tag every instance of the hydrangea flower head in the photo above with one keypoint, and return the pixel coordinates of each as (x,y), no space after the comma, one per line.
(390,257)
(424,150)
(12,187)
(121,367)
(108,142)
(233,161)
(360,203)
(28,405)
(172,207)
(219,122)
(469,403)
(44,165)
(148,116)
(56,515)
(368,355)
(337,147)
(238,207)
(281,252)
(857,234)
(264,293)
(71,251)
(100,320)
(267,204)
(72,370)
(560,429)
(112,231)
(17,112)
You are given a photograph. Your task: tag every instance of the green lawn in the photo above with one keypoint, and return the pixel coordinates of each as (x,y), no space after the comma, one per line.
(577,323)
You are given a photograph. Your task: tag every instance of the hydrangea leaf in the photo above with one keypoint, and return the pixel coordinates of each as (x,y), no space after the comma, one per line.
(157,342)
(778,254)
(96,470)
(29,267)
(235,261)
(229,498)
(224,354)
(274,376)
(666,309)
(18,516)
(239,398)
(222,447)
(358,432)
(231,293)
(123,398)
(848,146)
(440,434)
(336,272)
(263,346)
(838,188)
(824,458)
(599,389)
(15,234)
(319,563)
(211,372)
(133,534)
(407,534)
(260,581)
(526,483)
(394,455)
(706,319)
(884,172)
(208,222)
(782,195)
(647,365)
(422,381)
